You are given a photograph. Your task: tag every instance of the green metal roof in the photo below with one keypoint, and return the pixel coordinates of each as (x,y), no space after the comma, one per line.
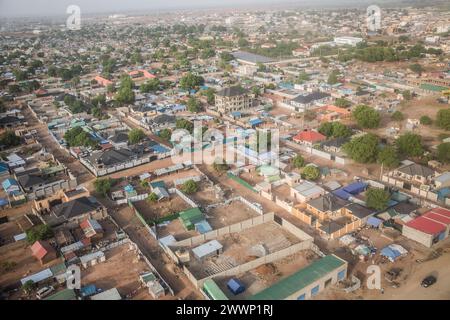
(432,87)
(66,294)
(299,280)
(212,289)
(190,217)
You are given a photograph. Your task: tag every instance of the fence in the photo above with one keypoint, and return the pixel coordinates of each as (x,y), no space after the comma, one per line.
(184,197)
(240,181)
(237,227)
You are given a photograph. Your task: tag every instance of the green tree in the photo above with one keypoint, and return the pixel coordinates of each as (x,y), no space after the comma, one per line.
(28,286)
(136,135)
(342,103)
(333,77)
(443,152)
(397,116)
(426,120)
(366,117)
(76,137)
(388,157)
(39,232)
(103,186)
(377,199)
(151,85)
(416,68)
(191,81)
(326,129)
(407,95)
(184,124)
(335,130)
(443,119)
(363,149)
(152,197)
(409,144)
(189,187)
(125,94)
(298,162)
(193,105)
(302,78)
(210,95)
(165,134)
(9,139)
(311,173)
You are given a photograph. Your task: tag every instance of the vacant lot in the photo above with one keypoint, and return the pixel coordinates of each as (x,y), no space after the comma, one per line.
(161,208)
(120,270)
(18,255)
(234,212)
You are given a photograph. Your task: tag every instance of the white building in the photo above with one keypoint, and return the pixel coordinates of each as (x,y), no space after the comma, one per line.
(352,41)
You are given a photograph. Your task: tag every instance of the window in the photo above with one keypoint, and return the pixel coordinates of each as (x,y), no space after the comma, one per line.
(341,275)
(302,297)
(314,291)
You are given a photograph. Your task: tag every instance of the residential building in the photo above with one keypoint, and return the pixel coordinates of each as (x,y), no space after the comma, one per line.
(232,99)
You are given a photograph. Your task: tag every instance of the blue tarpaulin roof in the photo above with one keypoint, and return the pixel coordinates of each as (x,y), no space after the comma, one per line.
(88,290)
(235,286)
(3,201)
(355,188)
(342,194)
(375,222)
(159,149)
(255,122)
(203,227)
(129,188)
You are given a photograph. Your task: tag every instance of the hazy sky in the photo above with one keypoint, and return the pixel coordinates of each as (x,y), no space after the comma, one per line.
(9,8)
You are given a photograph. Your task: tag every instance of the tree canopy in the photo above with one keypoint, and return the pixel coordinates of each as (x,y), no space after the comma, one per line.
(191,81)
(103,186)
(189,187)
(409,144)
(335,130)
(298,162)
(363,149)
(136,135)
(366,117)
(443,152)
(311,173)
(388,157)
(39,232)
(443,119)
(377,199)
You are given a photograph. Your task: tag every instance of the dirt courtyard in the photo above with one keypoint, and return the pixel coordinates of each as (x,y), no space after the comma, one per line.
(120,270)
(225,215)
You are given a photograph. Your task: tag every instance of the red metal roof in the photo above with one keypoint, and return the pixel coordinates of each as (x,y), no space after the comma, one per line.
(438,218)
(426,225)
(40,249)
(310,136)
(441,211)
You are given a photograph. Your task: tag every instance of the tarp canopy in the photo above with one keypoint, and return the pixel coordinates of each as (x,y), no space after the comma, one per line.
(235,286)
(341,193)
(355,188)
(374,222)
(393,251)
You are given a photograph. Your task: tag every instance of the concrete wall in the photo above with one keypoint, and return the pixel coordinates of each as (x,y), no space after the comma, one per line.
(237,227)
(418,236)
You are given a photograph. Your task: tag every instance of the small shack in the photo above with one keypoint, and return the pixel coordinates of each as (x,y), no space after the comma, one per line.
(43,251)
(190,217)
(235,286)
(208,249)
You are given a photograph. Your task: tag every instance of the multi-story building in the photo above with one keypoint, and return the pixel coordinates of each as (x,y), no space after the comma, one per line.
(232,99)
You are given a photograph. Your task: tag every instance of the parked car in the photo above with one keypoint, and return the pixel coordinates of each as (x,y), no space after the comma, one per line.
(43,292)
(428,281)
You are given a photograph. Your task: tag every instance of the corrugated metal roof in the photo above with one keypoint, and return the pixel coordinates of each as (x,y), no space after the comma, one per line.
(301,279)
(111,294)
(213,290)
(207,248)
